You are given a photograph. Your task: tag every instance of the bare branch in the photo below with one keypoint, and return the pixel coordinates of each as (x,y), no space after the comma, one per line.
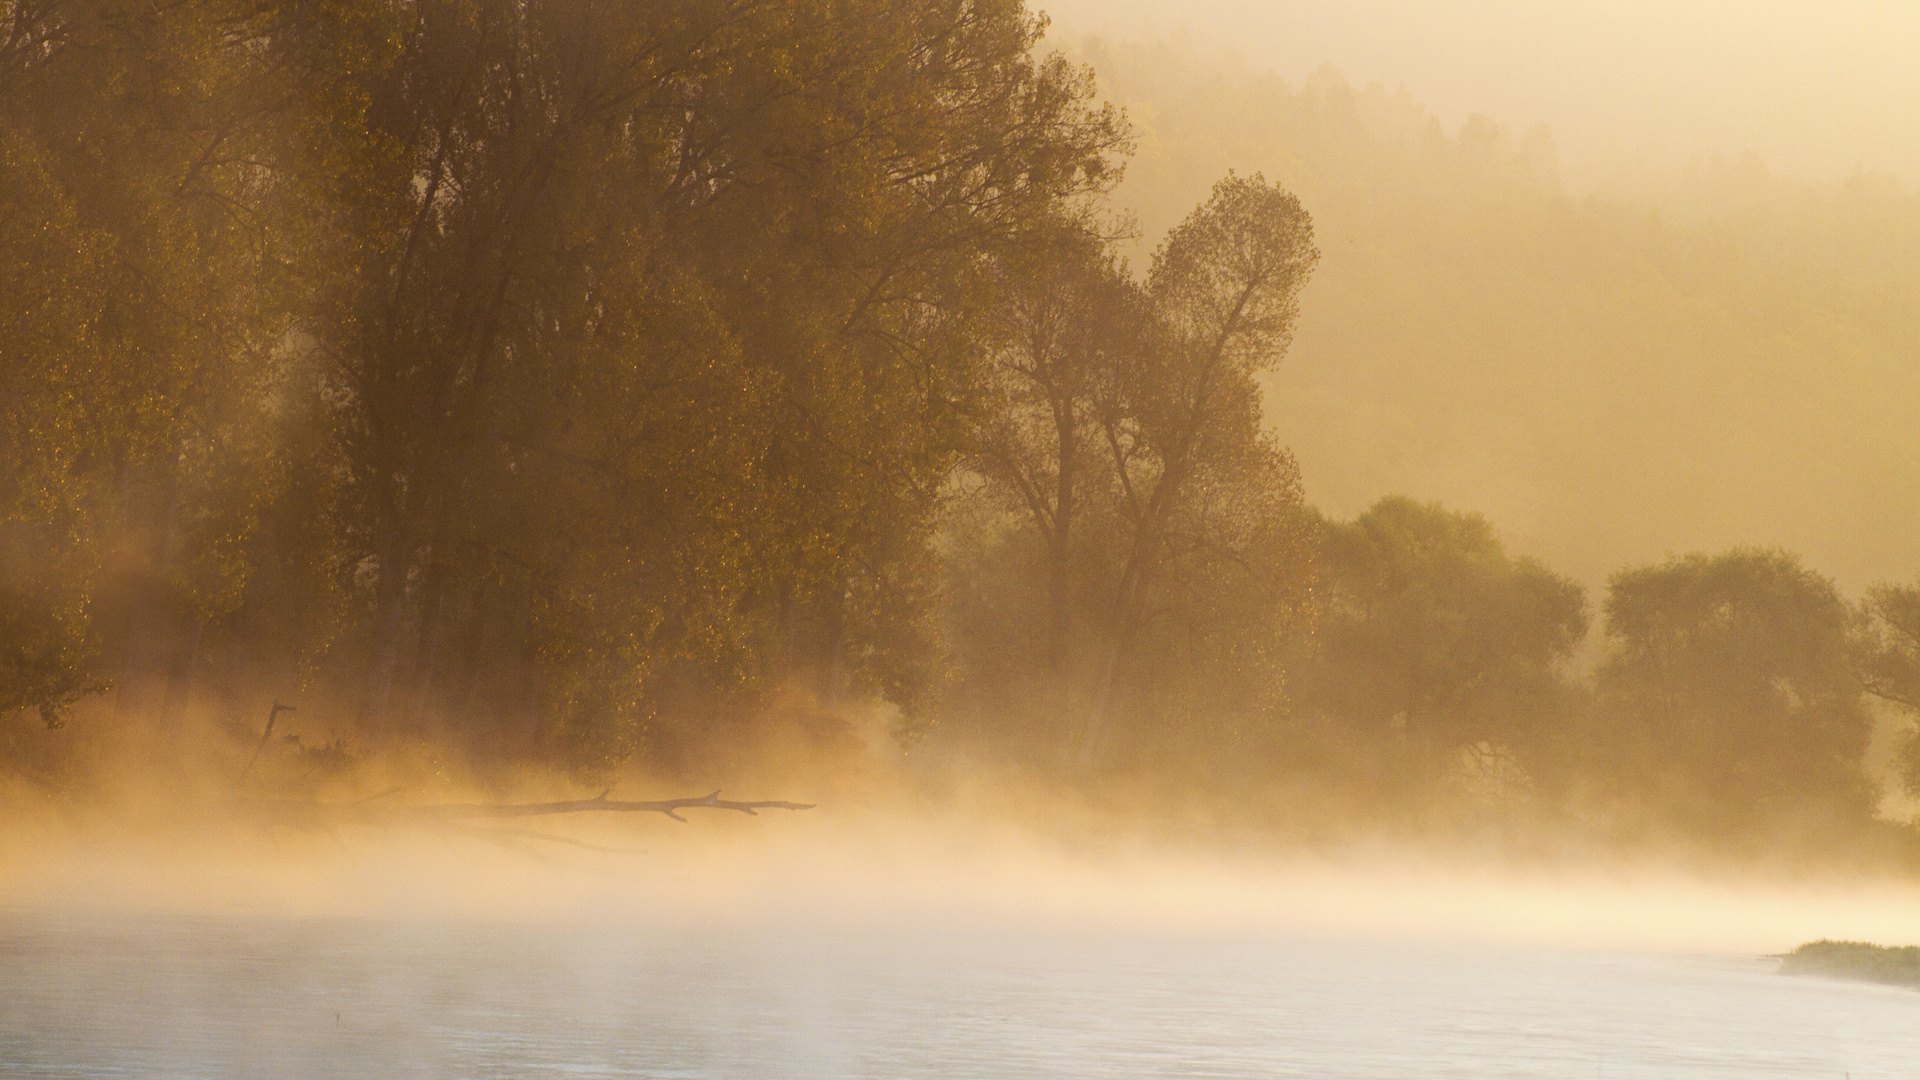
(599,803)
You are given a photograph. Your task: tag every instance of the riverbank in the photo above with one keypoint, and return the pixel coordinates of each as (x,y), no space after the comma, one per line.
(1899,965)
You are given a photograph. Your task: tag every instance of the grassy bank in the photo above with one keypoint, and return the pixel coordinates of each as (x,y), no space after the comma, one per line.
(1899,965)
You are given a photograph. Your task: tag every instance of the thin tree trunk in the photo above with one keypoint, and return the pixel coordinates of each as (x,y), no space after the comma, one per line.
(1126,625)
(180,678)
(133,647)
(1147,532)
(391,597)
(836,655)
(473,642)
(1060,538)
(432,631)
(143,609)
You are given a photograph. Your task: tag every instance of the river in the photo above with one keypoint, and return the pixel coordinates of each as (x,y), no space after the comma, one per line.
(256,996)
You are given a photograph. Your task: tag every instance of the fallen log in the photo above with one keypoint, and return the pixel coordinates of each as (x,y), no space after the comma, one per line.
(466,817)
(669,807)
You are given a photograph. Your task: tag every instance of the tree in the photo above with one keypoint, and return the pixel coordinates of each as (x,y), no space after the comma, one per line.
(1729,699)
(1434,642)
(1144,549)
(1888,659)
(1065,313)
(536,369)
(1183,412)
(660,340)
(141,305)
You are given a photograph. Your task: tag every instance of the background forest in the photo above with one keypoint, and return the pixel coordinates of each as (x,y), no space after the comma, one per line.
(594,387)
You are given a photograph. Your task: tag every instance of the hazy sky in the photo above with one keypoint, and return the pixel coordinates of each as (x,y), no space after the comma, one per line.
(1817,88)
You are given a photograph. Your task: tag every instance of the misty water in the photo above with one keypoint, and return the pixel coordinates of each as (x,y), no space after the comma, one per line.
(247,996)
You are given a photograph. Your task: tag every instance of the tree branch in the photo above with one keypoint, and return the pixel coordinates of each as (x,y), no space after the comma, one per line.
(459,815)
(669,807)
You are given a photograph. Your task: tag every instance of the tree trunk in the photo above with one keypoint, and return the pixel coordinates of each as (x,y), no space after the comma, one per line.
(836,653)
(390,603)
(432,633)
(1126,625)
(1060,539)
(180,678)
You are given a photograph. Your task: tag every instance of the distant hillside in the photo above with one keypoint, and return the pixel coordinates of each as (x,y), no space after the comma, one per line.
(1608,382)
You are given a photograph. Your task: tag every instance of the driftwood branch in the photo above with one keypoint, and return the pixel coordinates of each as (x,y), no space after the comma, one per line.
(466,817)
(669,807)
(272,715)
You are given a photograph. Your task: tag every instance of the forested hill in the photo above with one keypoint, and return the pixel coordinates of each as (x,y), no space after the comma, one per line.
(1732,358)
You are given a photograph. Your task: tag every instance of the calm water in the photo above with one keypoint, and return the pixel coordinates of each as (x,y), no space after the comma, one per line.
(256,997)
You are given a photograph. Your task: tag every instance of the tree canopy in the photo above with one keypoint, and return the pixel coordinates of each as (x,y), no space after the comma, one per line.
(521,366)
(1732,692)
(1436,641)
(570,384)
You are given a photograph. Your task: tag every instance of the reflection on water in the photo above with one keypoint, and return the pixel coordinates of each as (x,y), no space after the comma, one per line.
(257,997)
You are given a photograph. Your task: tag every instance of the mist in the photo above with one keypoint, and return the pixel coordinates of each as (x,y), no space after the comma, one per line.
(1633,92)
(1076,520)
(879,861)
(1713,355)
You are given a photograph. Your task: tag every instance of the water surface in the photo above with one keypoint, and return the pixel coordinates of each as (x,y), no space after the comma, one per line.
(258,997)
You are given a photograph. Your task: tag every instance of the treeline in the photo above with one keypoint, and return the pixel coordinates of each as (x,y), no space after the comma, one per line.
(577,384)
(564,381)
(1413,671)
(540,375)
(1735,695)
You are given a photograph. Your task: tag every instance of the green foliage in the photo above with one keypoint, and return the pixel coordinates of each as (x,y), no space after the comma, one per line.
(540,374)
(1729,692)
(142,294)
(1899,964)
(1435,640)
(1161,541)
(662,336)
(564,380)
(43,654)
(1887,640)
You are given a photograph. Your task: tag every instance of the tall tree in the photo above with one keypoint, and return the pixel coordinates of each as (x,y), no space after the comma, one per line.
(662,336)
(552,360)
(1183,413)
(142,315)
(1066,311)
(1123,435)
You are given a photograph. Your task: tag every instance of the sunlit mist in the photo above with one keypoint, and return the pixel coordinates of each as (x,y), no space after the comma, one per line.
(933,538)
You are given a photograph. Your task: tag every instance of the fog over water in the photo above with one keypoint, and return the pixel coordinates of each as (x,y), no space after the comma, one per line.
(836,948)
(1312,539)
(875,861)
(852,945)
(239,997)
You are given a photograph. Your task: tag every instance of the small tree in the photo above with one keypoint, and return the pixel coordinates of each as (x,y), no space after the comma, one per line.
(1729,698)
(1888,659)
(1435,643)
